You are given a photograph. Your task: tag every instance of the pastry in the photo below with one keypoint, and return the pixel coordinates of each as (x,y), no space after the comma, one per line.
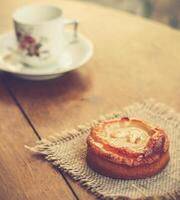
(127,148)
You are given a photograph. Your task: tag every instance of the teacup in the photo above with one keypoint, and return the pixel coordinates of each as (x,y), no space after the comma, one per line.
(40,34)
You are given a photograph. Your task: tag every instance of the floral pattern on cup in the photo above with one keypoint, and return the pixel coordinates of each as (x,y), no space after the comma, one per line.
(31,46)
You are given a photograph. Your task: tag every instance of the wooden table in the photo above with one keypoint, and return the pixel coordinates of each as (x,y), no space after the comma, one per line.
(134,59)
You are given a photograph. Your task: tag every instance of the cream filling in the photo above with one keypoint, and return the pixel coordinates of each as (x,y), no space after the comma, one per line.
(130,137)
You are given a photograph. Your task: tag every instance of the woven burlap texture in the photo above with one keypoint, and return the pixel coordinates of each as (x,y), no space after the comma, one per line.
(68,153)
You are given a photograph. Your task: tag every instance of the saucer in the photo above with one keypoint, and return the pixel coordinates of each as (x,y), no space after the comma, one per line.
(75,55)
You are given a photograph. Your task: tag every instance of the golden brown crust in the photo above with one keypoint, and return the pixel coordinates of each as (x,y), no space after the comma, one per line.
(113,170)
(155,150)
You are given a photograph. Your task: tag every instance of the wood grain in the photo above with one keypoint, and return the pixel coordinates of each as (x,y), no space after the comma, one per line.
(22,176)
(134,59)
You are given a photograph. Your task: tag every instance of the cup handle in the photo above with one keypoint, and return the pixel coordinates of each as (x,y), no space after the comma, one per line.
(75,24)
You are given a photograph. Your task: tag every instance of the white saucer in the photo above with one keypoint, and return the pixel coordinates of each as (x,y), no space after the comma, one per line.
(75,55)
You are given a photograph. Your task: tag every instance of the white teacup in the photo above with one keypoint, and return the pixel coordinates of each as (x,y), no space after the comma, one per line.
(40,34)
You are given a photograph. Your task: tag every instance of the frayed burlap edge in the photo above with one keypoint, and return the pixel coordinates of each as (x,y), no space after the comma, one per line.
(42,147)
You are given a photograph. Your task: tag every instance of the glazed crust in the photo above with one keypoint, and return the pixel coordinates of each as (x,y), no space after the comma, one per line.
(113,170)
(121,162)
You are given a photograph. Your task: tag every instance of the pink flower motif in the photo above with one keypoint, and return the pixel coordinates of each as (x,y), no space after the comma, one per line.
(29,44)
(29,39)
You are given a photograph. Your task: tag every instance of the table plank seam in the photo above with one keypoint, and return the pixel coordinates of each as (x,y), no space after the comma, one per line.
(20,107)
(33,128)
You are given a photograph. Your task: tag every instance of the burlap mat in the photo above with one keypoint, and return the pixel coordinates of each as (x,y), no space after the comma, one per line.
(68,154)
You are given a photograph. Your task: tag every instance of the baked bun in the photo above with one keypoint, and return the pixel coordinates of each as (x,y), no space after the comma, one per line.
(127,148)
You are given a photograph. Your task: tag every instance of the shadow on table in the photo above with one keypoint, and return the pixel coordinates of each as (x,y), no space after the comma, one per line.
(68,87)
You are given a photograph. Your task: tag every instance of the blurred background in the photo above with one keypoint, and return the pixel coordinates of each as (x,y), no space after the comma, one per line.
(165,11)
